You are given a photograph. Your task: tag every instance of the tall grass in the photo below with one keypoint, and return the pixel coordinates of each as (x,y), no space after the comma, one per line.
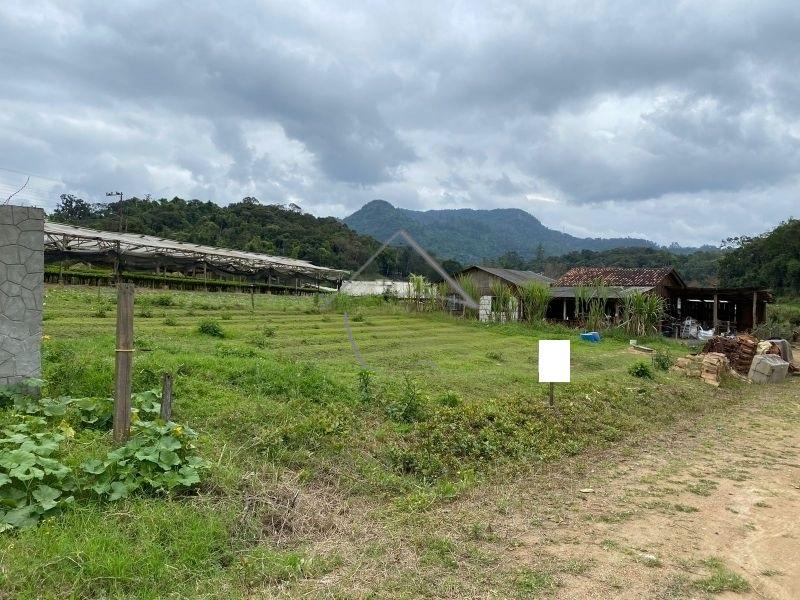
(501,300)
(535,297)
(418,289)
(642,313)
(590,301)
(470,287)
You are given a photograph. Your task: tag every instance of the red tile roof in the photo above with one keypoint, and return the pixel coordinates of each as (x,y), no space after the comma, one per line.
(621,276)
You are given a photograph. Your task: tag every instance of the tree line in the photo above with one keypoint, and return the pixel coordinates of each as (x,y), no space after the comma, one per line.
(771,260)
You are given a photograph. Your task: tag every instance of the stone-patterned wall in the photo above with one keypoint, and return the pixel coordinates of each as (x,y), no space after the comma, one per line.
(21,292)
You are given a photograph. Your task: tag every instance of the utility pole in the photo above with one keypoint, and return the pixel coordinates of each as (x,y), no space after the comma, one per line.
(119,228)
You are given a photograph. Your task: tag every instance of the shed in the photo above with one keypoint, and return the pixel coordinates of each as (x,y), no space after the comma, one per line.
(485,276)
(727,309)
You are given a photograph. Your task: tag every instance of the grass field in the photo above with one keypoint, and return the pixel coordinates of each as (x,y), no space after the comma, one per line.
(324,475)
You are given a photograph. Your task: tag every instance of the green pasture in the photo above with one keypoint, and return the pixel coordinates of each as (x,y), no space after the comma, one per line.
(293,426)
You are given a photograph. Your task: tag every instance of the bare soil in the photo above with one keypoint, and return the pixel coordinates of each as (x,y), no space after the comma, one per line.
(642,527)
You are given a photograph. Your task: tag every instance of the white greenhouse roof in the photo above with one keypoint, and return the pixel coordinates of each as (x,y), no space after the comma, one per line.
(84,242)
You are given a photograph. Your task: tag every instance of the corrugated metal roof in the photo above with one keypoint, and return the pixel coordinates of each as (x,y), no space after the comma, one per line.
(513,275)
(615,276)
(82,240)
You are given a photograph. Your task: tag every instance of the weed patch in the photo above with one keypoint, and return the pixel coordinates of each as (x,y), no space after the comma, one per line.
(721,579)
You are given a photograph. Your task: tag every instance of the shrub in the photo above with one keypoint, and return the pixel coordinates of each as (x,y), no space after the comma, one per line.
(159,300)
(366,390)
(449,398)
(409,406)
(210,327)
(35,482)
(260,339)
(641,369)
(773,329)
(662,360)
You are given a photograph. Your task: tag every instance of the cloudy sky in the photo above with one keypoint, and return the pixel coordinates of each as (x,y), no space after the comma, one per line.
(672,121)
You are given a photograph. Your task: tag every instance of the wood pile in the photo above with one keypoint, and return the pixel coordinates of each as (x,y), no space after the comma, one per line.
(690,366)
(739,350)
(715,365)
(711,367)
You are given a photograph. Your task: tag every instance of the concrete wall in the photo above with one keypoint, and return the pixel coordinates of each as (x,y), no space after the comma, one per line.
(21,292)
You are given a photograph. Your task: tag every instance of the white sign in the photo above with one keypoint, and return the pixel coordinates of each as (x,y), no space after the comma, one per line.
(554,361)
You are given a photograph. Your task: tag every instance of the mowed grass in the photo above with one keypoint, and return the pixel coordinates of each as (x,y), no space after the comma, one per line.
(310,452)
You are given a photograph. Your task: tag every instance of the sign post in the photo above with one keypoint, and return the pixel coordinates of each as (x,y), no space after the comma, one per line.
(554,364)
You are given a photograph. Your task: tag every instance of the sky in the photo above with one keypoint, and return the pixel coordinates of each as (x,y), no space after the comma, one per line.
(673,121)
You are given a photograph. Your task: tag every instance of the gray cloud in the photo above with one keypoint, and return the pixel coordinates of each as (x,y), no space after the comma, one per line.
(569,110)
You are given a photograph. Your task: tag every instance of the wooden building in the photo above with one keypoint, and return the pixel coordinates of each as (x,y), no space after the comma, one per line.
(724,309)
(485,276)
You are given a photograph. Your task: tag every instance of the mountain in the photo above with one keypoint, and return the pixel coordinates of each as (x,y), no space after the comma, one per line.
(470,235)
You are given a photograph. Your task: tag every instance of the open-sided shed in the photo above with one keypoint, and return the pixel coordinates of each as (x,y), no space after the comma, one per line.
(136,251)
(738,309)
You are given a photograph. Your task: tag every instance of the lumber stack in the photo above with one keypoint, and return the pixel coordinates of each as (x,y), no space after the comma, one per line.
(739,350)
(711,367)
(714,367)
(689,366)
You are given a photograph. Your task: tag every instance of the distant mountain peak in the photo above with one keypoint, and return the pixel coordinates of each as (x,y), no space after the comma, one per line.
(473,235)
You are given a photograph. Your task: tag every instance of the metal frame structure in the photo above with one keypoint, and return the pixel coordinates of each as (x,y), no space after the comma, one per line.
(63,241)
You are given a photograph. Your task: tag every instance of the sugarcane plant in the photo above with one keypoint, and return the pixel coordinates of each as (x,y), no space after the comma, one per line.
(643,313)
(418,289)
(470,288)
(501,300)
(590,303)
(535,297)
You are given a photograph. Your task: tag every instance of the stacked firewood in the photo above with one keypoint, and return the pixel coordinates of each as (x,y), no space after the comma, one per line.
(740,350)
(714,367)
(711,367)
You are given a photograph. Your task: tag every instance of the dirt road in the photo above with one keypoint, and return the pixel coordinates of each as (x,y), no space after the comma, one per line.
(710,509)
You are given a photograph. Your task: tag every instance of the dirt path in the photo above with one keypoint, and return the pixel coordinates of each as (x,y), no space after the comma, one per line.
(711,508)
(708,509)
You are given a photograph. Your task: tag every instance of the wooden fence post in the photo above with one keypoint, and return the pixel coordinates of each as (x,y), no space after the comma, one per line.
(166,398)
(124,363)
(716,314)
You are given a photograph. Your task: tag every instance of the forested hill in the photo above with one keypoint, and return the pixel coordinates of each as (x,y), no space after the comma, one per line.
(246,225)
(472,236)
(770,260)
